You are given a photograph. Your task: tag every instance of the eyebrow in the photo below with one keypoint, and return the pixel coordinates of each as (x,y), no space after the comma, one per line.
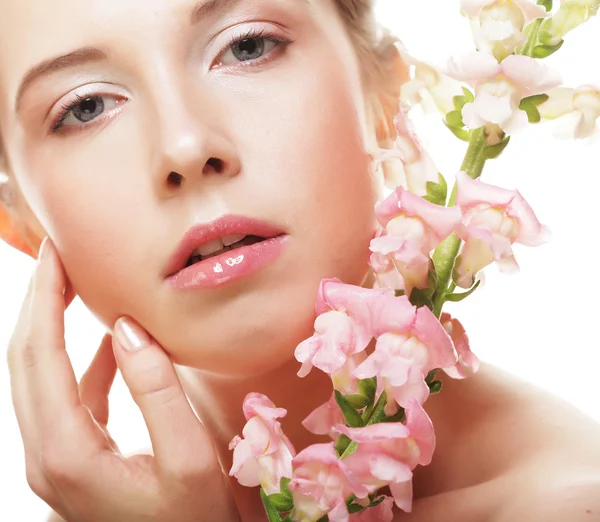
(204,9)
(86,55)
(52,65)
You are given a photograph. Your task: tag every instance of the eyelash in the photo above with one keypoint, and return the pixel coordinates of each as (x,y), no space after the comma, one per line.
(263,34)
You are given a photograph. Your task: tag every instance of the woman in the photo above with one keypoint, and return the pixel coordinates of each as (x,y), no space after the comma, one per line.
(146,137)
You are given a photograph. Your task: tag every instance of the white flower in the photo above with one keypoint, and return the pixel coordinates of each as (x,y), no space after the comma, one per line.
(500,87)
(582,103)
(498,24)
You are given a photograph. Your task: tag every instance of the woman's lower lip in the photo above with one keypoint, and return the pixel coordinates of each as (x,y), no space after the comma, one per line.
(230,266)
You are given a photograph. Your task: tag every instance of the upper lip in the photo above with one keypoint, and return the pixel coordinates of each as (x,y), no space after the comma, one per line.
(225,226)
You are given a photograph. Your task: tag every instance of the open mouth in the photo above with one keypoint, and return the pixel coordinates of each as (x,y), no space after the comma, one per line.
(220,246)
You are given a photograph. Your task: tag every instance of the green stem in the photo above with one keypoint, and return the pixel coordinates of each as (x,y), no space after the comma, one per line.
(374,417)
(445,255)
(532,39)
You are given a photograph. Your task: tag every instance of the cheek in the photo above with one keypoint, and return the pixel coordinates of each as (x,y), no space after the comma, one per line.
(96,209)
(322,170)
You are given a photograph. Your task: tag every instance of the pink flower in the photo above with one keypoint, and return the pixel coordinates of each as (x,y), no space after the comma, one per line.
(414,227)
(343,326)
(493,219)
(403,357)
(264,456)
(417,165)
(428,87)
(380,513)
(468,362)
(388,452)
(385,270)
(324,418)
(321,483)
(501,87)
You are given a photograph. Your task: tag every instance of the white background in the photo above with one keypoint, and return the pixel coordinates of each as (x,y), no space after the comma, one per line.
(539,324)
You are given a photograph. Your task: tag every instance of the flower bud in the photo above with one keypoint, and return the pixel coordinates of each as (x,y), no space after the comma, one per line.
(572,14)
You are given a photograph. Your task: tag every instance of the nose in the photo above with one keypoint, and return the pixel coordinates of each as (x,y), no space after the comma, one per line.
(192,147)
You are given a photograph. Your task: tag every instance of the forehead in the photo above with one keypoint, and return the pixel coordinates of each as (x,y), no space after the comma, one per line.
(34,30)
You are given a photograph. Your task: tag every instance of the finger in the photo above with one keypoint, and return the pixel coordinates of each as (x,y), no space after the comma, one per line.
(16,359)
(95,385)
(52,382)
(178,438)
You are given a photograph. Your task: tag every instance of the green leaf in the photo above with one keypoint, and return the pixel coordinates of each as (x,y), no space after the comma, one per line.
(353,418)
(536,99)
(461,134)
(530,104)
(457,298)
(400,293)
(324,518)
(533,114)
(432,278)
(493,151)
(281,502)
(431,376)
(468,95)
(375,503)
(368,388)
(459,102)
(421,298)
(283,486)
(271,510)
(546,37)
(435,387)
(437,193)
(355,508)
(454,119)
(545,3)
(543,51)
(378,413)
(399,416)
(357,401)
(342,443)
(350,499)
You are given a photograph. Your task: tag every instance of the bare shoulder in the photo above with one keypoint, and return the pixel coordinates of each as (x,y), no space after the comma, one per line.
(508,451)
(528,494)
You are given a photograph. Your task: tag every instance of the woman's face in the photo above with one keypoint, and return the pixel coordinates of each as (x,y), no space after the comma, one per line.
(148,121)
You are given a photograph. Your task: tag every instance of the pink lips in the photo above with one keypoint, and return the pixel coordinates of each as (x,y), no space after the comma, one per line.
(231,265)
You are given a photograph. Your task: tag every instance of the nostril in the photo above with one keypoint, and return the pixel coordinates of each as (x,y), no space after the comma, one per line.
(216,164)
(174,179)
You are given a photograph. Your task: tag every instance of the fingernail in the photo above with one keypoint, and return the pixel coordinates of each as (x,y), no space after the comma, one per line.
(43,251)
(130,337)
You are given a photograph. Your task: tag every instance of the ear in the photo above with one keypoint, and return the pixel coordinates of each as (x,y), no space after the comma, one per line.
(13,229)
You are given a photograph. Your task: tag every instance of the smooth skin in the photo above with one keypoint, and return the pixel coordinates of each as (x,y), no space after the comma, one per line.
(72,462)
(294,136)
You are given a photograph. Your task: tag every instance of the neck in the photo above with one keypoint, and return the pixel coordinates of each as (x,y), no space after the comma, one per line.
(218,399)
(218,402)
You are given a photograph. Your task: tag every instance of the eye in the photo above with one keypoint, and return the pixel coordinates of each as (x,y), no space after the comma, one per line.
(85,110)
(255,46)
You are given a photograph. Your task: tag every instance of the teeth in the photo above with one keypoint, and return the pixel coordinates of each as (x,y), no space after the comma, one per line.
(230,240)
(208,248)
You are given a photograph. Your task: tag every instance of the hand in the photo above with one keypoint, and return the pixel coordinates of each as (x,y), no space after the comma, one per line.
(72,463)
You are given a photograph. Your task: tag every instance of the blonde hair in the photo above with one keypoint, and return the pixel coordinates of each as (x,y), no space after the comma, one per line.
(376,48)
